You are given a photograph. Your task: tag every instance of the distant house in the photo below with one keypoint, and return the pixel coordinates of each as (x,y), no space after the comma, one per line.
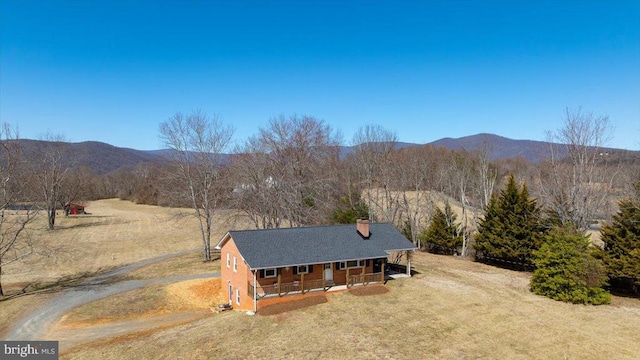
(259,264)
(73,208)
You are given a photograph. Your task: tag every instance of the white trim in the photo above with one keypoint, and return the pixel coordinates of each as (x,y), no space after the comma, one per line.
(275,273)
(255,289)
(360,263)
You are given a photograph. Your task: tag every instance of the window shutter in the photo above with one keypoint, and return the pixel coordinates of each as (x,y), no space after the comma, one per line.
(367,264)
(338,266)
(278,271)
(310,267)
(262,273)
(295,270)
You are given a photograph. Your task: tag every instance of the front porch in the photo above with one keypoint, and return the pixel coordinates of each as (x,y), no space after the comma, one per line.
(302,286)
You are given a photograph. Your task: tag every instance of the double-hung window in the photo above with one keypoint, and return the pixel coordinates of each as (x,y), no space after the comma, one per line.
(228,261)
(235,264)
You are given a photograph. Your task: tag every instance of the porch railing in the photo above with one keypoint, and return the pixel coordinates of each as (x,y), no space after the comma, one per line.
(301,287)
(365,278)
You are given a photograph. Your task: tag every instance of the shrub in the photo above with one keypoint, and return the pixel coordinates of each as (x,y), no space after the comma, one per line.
(566,271)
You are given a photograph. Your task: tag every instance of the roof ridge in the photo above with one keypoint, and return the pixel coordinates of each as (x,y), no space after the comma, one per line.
(304,227)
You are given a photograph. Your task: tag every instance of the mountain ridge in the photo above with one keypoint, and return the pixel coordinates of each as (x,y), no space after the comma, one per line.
(103,158)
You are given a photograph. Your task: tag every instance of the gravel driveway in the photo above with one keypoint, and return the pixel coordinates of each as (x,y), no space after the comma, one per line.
(35,326)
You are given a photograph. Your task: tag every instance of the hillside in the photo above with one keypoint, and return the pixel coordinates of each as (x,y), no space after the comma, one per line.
(103,158)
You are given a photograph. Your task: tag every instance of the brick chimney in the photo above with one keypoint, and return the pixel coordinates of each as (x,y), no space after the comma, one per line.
(362,226)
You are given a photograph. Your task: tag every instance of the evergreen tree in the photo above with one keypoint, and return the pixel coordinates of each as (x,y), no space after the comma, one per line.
(566,271)
(621,253)
(511,229)
(349,210)
(442,236)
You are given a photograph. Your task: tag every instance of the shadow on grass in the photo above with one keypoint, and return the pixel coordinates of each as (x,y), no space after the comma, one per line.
(81,225)
(64,283)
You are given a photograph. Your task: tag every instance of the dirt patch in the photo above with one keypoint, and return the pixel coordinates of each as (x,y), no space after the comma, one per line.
(200,294)
(289,305)
(369,290)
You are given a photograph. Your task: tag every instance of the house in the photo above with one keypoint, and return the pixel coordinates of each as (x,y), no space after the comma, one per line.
(258,264)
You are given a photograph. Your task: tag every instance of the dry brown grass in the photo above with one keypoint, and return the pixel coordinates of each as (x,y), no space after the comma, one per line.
(114,234)
(148,301)
(188,264)
(453,309)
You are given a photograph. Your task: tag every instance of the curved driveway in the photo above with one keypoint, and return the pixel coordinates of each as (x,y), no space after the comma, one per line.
(34,326)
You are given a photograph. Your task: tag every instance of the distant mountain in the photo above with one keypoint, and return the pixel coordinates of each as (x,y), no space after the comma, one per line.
(499,147)
(103,158)
(100,157)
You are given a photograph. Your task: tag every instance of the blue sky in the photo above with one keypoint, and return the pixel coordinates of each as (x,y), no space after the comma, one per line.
(111,71)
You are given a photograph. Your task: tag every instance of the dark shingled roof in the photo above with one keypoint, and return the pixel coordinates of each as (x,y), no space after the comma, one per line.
(282,247)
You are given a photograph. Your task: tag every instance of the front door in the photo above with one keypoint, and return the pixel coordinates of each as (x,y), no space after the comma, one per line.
(328,272)
(377,265)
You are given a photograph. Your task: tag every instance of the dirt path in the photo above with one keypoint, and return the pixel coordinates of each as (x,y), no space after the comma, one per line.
(40,324)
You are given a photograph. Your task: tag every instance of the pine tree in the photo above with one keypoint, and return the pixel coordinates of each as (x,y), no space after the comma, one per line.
(443,236)
(511,229)
(621,253)
(349,210)
(566,271)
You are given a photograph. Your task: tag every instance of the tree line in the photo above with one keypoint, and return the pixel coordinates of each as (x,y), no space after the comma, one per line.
(292,173)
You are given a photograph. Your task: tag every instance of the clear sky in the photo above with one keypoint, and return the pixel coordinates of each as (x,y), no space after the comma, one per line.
(113,70)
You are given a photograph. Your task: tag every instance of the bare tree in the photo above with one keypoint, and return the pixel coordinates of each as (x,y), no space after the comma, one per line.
(373,149)
(462,181)
(412,168)
(15,243)
(52,168)
(578,179)
(487,173)
(288,172)
(197,141)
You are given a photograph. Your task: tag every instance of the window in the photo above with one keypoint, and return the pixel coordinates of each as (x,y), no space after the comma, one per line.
(235,264)
(303,269)
(350,264)
(270,273)
(228,261)
(238,296)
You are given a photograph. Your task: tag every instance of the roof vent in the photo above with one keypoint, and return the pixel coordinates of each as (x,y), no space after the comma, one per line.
(362,226)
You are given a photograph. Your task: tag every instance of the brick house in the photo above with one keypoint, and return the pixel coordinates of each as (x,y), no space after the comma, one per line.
(259,264)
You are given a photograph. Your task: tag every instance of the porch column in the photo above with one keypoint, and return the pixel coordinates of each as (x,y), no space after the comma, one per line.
(302,283)
(382,277)
(347,278)
(255,292)
(279,283)
(363,272)
(408,263)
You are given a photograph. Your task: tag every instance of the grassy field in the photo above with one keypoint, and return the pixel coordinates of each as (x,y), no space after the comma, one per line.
(452,309)
(115,233)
